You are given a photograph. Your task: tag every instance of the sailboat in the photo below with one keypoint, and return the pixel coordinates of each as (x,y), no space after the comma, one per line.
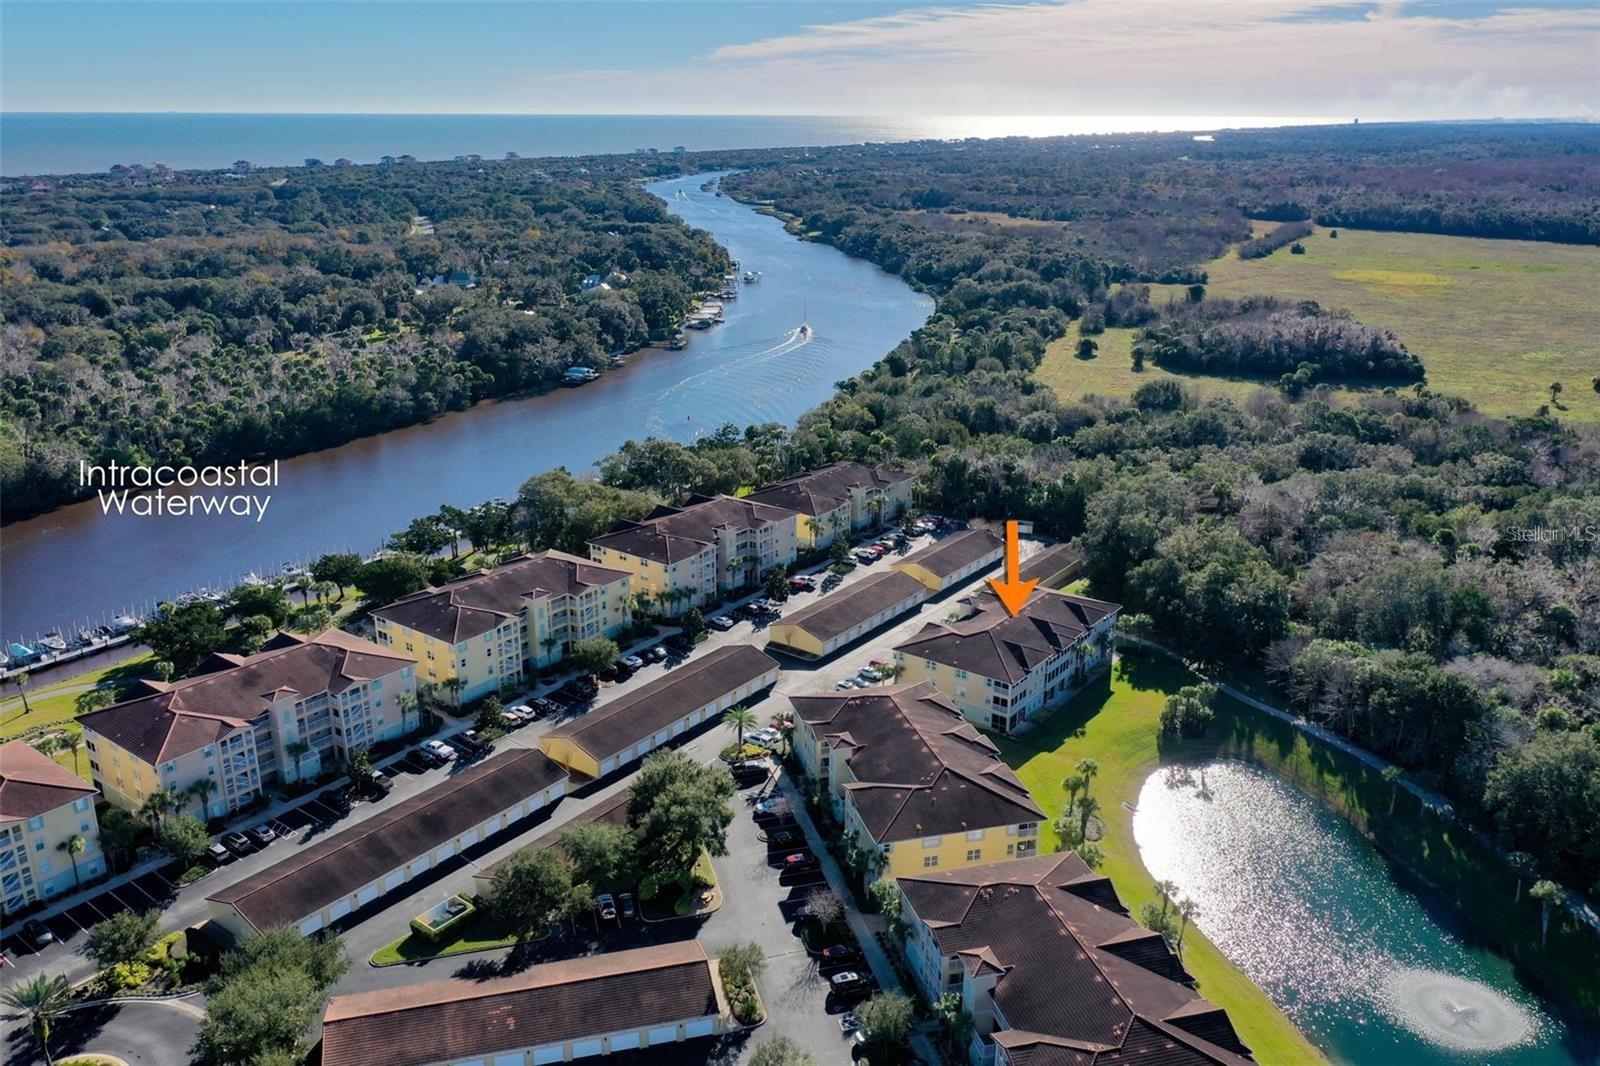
(805,318)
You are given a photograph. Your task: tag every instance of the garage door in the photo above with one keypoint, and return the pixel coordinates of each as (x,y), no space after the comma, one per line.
(394,880)
(366,895)
(338,910)
(513,1058)
(542,1055)
(469,838)
(445,851)
(609,765)
(663,1034)
(311,925)
(625,1041)
(679,726)
(661,738)
(702,1027)
(581,1048)
(420,864)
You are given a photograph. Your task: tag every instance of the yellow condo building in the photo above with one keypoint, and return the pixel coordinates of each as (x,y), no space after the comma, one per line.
(687,556)
(839,498)
(485,630)
(913,781)
(1002,671)
(44,808)
(296,708)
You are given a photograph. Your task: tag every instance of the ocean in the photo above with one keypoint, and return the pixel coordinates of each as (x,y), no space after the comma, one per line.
(36,143)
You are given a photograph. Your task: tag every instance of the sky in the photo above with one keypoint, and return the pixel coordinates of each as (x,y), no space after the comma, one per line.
(1392,59)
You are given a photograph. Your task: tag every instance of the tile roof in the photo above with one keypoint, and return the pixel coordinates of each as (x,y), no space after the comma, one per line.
(613,810)
(616,725)
(991,642)
(944,557)
(181,716)
(462,1018)
(828,488)
(477,603)
(322,873)
(670,534)
(921,769)
(843,610)
(1080,981)
(32,783)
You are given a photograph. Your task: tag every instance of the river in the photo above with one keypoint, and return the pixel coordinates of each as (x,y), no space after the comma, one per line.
(1372,968)
(77,565)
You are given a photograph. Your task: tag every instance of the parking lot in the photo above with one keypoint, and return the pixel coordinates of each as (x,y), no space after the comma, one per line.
(151,890)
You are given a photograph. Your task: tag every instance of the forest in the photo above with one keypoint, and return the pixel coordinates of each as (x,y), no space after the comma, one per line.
(212,318)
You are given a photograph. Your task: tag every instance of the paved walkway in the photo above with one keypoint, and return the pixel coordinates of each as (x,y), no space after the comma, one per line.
(1576,903)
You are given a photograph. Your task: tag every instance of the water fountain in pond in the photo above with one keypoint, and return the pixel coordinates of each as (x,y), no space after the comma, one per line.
(1454,1012)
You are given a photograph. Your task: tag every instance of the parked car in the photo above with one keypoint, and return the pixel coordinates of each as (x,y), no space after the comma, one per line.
(439,750)
(37,934)
(237,843)
(338,799)
(783,838)
(866,676)
(614,672)
(848,682)
(799,862)
(377,786)
(474,742)
(772,805)
(848,983)
(747,610)
(543,707)
(627,904)
(801,584)
(750,772)
(521,714)
(655,654)
(262,834)
(219,854)
(849,1022)
(764,738)
(864,557)
(840,954)
(606,904)
(720,622)
(632,662)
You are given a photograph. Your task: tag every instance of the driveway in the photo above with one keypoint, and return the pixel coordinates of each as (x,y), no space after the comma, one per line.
(151,1032)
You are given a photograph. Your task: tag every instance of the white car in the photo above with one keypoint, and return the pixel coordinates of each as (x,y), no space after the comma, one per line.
(773,805)
(520,713)
(848,682)
(866,676)
(439,750)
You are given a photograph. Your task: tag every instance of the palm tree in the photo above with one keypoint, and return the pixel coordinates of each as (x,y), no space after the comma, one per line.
(1088,768)
(21,681)
(297,750)
(203,789)
(1166,890)
(39,1002)
(74,846)
(1086,810)
(73,742)
(1188,909)
(156,805)
(1073,784)
(1548,893)
(1522,864)
(93,699)
(739,719)
(1392,774)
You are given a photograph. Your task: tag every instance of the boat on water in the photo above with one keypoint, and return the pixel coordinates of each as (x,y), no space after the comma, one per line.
(678,342)
(52,642)
(752,276)
(579,375)
(697,323)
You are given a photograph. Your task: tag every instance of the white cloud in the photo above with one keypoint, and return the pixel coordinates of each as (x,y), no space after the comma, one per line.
(1150,57)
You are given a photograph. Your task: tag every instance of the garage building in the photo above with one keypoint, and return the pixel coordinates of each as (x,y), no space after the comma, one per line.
(321,884)
(846,615)
(1054,566)
(631,726)
(948,562)
(555,1012)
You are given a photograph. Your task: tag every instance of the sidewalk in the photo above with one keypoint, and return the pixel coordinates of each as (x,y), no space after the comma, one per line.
(865,927)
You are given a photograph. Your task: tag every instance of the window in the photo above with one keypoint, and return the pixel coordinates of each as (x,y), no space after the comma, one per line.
(932,842)
(974,854)
(976,834)
(930,862)
(36,823)
(962,674)
(81,805)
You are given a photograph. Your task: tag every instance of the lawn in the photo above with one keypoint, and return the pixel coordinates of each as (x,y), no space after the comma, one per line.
(1115,725)
(55,704)
(1493,321)
(479,933)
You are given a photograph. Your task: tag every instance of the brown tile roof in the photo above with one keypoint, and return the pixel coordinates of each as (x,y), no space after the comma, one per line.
(944,557)
(32,783)
(182,716)
(673,533)
(1059,561)
(616,725)
(460,1018)
(991,642)
(328,871)
(921,769)
(1082,983)
(827,488)
(843,610)
(477,603)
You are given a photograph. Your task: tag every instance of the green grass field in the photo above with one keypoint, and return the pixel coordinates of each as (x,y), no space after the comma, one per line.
(1116,725)
(1493,321)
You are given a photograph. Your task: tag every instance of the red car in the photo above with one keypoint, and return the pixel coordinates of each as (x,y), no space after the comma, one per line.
(839,954)
(800,861)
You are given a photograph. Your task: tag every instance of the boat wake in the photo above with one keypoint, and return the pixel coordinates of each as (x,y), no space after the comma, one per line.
(794,340)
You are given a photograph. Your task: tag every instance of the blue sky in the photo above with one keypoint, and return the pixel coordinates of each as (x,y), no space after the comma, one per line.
(1391,59)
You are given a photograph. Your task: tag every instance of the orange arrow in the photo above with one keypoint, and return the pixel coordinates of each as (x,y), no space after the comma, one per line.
(1013,592)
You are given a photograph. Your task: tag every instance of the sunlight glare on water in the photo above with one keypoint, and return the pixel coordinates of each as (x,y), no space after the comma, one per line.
(1313,914)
